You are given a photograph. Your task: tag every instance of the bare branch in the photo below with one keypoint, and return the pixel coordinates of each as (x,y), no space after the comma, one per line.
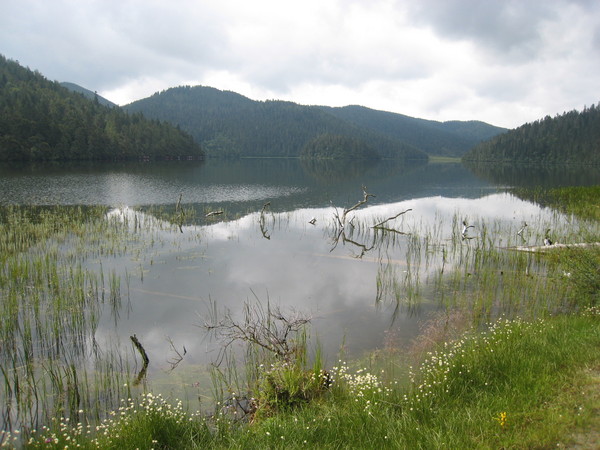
(365,199)
(379,225)
(263,327)
(261,221)
(174,362)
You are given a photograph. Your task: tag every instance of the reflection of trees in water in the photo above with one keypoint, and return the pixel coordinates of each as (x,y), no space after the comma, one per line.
(526,175)
(336,170)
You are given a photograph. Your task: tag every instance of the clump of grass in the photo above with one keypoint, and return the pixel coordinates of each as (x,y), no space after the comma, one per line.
(287,385)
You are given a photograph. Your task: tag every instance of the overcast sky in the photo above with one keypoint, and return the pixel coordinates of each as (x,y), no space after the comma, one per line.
(505,62)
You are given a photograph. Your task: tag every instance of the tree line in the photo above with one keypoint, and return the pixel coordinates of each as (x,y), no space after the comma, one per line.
(572,137)
(41,120)
(333,146)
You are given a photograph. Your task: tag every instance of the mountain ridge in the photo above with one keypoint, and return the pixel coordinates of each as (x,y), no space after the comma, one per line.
(226,123)
(452,138)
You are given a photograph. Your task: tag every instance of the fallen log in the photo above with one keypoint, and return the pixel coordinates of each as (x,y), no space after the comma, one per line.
(544,248)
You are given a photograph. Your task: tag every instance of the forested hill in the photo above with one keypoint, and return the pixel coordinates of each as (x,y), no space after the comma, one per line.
(41,120)
(573,137)
(229,124)
(452,138)
(87,93)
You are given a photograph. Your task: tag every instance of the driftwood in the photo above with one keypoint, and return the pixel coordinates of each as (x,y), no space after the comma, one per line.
(545,248)
(214,213)
(145,360)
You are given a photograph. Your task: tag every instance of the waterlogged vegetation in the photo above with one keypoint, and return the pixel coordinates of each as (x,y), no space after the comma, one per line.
(51,304)
(510,329)
(54,290)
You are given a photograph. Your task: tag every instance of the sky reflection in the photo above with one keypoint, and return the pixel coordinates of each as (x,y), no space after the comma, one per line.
(299,267)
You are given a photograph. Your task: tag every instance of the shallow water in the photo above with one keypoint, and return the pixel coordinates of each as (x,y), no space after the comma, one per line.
(358,286)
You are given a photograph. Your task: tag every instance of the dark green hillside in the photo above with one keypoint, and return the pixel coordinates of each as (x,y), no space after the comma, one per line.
(41,120)
(87,93)
(572,137)
(229,124)
(471,130)
(452,138)
(331,146)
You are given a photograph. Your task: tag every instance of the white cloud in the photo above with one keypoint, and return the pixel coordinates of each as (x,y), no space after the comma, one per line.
(505,62)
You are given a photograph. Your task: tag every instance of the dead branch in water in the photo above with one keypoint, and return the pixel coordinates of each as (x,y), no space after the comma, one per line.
(261,221)
(363,247)
(145,359)
(214,213)
(178,205)
(174,362)
(365,199)
(181,216)
(264,327)
(342,221)
(379,225)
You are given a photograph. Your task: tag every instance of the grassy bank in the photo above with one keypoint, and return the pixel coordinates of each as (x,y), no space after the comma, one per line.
(519,384)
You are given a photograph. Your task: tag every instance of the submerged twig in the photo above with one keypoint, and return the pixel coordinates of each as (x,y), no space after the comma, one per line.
(174,362)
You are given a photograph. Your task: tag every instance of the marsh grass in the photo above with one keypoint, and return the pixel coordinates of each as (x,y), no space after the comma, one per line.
(51,302)
(581,201)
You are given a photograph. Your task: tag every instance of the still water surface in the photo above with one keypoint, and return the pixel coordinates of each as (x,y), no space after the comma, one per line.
(355,287)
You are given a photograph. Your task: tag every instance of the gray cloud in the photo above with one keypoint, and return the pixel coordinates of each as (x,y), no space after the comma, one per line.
(502,61)
(107,43)
(510,28)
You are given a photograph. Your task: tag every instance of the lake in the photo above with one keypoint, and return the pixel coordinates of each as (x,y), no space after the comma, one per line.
(359,284)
